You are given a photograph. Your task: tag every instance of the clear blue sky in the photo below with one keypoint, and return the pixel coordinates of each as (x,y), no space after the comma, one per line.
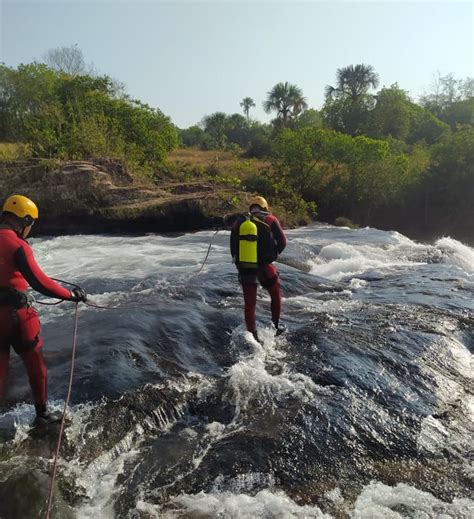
(194,58)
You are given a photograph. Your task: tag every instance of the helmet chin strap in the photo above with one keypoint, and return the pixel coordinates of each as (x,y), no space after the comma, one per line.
(22,232)
(27,221)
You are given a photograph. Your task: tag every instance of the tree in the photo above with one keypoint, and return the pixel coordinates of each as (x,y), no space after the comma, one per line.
(246,104)
(353,82)
(215,126)
(354,175)
(348,103)
(347,116)
(459,114)
(424,126)
(30,111)
(450,183)
(287,101)
(260,145)
(75,117)
(69,60)
(237,130)
(445,91)
(194,136)
(309,118)
(391,116)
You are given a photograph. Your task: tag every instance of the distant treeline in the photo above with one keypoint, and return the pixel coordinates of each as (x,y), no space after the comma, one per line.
(374,157)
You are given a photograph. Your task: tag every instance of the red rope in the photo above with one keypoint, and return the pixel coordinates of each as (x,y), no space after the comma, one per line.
(66,403)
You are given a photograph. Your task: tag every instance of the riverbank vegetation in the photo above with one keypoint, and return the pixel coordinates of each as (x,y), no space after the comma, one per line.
(371,156)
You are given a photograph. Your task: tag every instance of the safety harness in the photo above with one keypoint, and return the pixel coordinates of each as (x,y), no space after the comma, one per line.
(14,298)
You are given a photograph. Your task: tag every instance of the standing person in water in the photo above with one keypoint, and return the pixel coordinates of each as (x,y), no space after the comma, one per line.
(19,322)
(256,240)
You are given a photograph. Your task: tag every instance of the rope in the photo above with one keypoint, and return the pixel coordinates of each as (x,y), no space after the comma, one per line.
(73,357)
(49,304)
(208,251)
(66,404)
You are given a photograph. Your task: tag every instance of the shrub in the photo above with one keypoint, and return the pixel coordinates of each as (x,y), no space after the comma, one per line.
(259,184)
(342,221)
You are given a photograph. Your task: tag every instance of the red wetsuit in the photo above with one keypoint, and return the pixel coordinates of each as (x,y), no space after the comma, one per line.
(266,274)
(20,327)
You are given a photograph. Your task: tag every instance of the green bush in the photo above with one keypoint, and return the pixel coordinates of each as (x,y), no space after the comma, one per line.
(260,184)
(68,117)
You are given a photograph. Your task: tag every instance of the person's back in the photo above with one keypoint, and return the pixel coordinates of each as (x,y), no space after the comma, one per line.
(271,241)
(10,276)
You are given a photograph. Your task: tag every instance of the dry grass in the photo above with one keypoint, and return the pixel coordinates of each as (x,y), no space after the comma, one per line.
(13,151)
(224,159)
(201,158)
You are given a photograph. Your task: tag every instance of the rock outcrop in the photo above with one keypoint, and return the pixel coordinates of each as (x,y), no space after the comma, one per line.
(101,196)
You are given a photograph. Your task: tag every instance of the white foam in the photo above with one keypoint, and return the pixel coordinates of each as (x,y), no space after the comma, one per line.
(379,500)
(263,375)
(234,506)
(457,254)
(98,477)
(315,304)
(357,283)
(20,417)
(344,260)
(101,485)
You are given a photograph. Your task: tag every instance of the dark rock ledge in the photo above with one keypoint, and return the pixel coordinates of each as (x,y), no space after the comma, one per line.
(101,196)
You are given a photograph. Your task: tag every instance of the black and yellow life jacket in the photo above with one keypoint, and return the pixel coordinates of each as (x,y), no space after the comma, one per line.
(256,243)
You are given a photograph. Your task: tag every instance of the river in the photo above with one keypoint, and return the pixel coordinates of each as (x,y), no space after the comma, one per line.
(362,409)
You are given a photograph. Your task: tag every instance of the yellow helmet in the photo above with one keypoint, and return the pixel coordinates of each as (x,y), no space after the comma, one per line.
(22,207)
(260,201)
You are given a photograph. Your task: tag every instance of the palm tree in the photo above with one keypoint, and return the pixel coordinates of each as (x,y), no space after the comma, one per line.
(247,103)
(353,82)
(287,101)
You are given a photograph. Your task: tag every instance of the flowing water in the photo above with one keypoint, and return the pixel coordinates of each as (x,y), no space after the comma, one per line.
(362,409)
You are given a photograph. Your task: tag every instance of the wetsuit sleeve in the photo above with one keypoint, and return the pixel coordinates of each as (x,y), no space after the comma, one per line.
(36,278)
(278,234)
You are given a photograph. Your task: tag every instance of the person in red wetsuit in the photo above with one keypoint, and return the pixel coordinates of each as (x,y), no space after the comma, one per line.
(271,241)
(19,322)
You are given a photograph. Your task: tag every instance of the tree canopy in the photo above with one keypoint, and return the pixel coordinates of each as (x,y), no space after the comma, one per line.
(67,116)
(375,157)
(287,101)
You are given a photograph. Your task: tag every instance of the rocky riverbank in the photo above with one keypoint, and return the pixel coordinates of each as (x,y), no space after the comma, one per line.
(101,196)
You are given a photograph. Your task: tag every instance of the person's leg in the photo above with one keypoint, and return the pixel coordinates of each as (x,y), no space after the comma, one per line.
(250,301)
(37,373)
(27,344)
(275,294)
(268,277)
(248,280)
(6,330)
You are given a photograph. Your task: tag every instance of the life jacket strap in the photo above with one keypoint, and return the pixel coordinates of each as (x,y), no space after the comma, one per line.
(246,265)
